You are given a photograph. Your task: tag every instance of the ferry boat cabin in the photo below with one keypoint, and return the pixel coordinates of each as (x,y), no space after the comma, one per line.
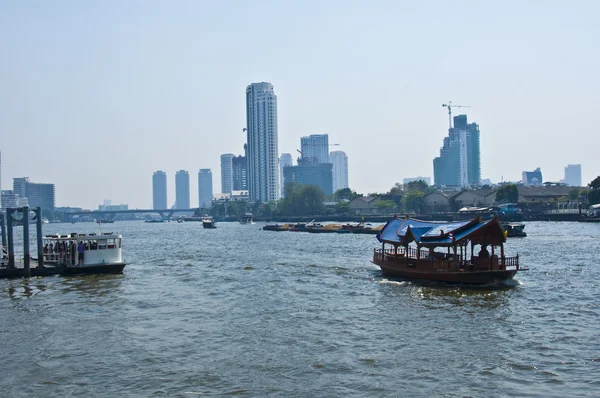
(62,250)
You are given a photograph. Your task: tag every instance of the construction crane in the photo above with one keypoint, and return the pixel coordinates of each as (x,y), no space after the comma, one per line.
(450,106)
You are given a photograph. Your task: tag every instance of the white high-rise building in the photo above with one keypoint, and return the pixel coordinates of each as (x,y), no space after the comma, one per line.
(227,173)
(182,190)
(205,188)
(159,190)
(340,169)
(315,148)
(263,149)
(284,161)
(573,175)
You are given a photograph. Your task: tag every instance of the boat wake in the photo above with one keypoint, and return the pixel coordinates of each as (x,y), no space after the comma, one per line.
(388,282)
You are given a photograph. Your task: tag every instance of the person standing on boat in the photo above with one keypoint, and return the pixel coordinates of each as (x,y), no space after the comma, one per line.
(80,250)
(483,253)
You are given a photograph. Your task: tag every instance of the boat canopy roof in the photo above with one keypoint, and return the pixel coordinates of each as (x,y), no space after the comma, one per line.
(402,231)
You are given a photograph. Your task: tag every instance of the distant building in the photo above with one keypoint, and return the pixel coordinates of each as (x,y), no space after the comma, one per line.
(533,178)
(307,173)
(315,148)
(205,188)
(227,172)
(459,163)
(262,139)
(37,195)
(159,190)
(239,165)
(11,199)
(339,170)
(0,180)
(427,180)
(111,207)
(284,161)
(182,190)
(573,175)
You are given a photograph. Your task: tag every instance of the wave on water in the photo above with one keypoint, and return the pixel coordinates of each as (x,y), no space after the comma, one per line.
(388,282)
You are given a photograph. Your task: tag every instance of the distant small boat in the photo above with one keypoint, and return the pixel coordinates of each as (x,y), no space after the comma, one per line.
(246,218)
(208,222)
(514,229)
(99,221)
(155,220)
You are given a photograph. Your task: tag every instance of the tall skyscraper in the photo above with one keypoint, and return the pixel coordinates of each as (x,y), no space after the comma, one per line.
(459,163)
(340,169)
(205,188)
(36,194)
(227,172)
(263,149)
(159,190)
(573,175)
(315,148)
(284,161)
(182,190)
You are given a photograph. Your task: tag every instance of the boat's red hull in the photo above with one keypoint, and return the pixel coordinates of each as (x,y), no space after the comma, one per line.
(458,277)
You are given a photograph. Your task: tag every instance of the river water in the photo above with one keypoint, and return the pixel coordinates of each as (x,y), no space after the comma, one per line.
(241,311)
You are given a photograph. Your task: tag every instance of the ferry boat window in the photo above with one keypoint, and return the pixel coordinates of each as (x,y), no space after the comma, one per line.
(101,244)
(110,243)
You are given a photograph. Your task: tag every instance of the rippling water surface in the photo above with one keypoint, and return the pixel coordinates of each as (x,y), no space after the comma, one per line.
(240,311)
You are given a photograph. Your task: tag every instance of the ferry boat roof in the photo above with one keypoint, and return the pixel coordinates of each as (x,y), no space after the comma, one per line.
(73,235)
(402,231)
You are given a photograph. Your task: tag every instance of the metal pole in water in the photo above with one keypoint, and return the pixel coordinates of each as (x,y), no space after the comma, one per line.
(26,255)
(38,225)
(3,227)
(11,243)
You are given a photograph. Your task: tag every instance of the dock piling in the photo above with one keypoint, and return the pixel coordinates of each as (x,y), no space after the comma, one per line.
(26,254)
(9,232)
(3,227)
(38,225)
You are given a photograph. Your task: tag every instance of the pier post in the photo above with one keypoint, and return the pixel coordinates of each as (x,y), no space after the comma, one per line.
(3,227)
(38,229)
(26,254)
(9,232)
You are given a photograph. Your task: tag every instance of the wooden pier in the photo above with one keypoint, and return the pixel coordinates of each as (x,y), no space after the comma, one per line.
(9,268)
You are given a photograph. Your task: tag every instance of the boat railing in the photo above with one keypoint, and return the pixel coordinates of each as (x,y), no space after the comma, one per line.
(442,262)
(61,258)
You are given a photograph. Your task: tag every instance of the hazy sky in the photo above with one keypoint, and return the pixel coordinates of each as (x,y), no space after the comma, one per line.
(97,95)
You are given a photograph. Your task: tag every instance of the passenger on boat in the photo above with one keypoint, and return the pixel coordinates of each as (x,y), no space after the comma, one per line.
(80,250)
(483,253)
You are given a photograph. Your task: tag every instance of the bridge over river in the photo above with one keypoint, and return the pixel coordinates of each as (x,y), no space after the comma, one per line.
(165,214)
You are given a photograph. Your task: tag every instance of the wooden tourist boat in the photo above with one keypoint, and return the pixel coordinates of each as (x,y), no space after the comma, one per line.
(445,252)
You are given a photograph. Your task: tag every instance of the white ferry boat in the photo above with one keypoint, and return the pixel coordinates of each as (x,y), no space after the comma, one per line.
(84,254)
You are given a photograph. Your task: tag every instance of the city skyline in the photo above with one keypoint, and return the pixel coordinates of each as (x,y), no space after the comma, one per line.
(110,72)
